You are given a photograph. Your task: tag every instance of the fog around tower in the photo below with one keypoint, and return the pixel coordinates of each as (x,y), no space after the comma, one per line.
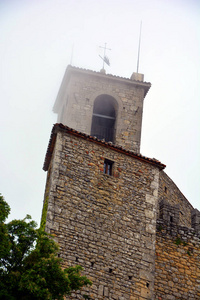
(40,38)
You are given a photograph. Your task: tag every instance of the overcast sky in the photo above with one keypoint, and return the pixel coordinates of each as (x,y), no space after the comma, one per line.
(37,38)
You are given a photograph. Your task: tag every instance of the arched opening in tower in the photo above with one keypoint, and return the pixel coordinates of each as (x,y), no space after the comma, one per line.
(103,118)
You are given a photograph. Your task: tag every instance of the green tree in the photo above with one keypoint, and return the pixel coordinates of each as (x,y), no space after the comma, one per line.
(29,266)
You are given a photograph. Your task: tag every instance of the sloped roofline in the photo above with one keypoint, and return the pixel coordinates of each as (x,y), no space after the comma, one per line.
(70,69)
(58,127)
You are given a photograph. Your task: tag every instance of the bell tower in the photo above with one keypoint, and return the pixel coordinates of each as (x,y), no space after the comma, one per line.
(102,197)
(105,106)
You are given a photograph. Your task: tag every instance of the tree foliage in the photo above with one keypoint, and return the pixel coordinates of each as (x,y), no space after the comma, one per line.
(29,266)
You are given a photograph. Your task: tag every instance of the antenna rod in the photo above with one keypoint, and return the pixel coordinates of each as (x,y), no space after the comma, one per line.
(139,46)
(72,54)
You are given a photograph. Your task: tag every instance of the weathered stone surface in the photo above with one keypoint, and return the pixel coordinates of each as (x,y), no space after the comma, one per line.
(170,192)
(177,262)
(107,224)
(104,222)
(78,92)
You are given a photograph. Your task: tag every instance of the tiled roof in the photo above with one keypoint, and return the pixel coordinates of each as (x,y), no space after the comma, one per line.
(60,127)
(69,67)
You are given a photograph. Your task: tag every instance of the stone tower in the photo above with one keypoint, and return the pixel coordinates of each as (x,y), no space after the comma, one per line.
(105,106)
(112,210)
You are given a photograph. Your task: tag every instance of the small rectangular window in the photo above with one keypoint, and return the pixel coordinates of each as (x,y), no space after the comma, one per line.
(107,169)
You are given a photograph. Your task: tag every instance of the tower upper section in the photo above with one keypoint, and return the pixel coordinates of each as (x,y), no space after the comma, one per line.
(105,106)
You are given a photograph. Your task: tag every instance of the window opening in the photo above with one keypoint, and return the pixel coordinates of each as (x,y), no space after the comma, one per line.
(171,219)
(110,271)
(107,168)
(103,118)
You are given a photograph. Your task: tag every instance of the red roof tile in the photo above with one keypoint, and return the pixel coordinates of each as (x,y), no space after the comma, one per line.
(60,127)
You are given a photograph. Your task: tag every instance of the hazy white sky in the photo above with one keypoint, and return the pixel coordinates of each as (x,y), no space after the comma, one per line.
(37,38)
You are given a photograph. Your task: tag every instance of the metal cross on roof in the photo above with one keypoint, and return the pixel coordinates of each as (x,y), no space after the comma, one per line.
(105,58)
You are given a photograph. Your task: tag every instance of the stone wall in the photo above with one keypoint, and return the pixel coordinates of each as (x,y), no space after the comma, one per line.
(104,223)
(78,92)
(170,192)
(177,262)
(107,223)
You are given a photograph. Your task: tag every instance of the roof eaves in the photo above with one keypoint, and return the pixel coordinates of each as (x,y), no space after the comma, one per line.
(72,68)
(60,127)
